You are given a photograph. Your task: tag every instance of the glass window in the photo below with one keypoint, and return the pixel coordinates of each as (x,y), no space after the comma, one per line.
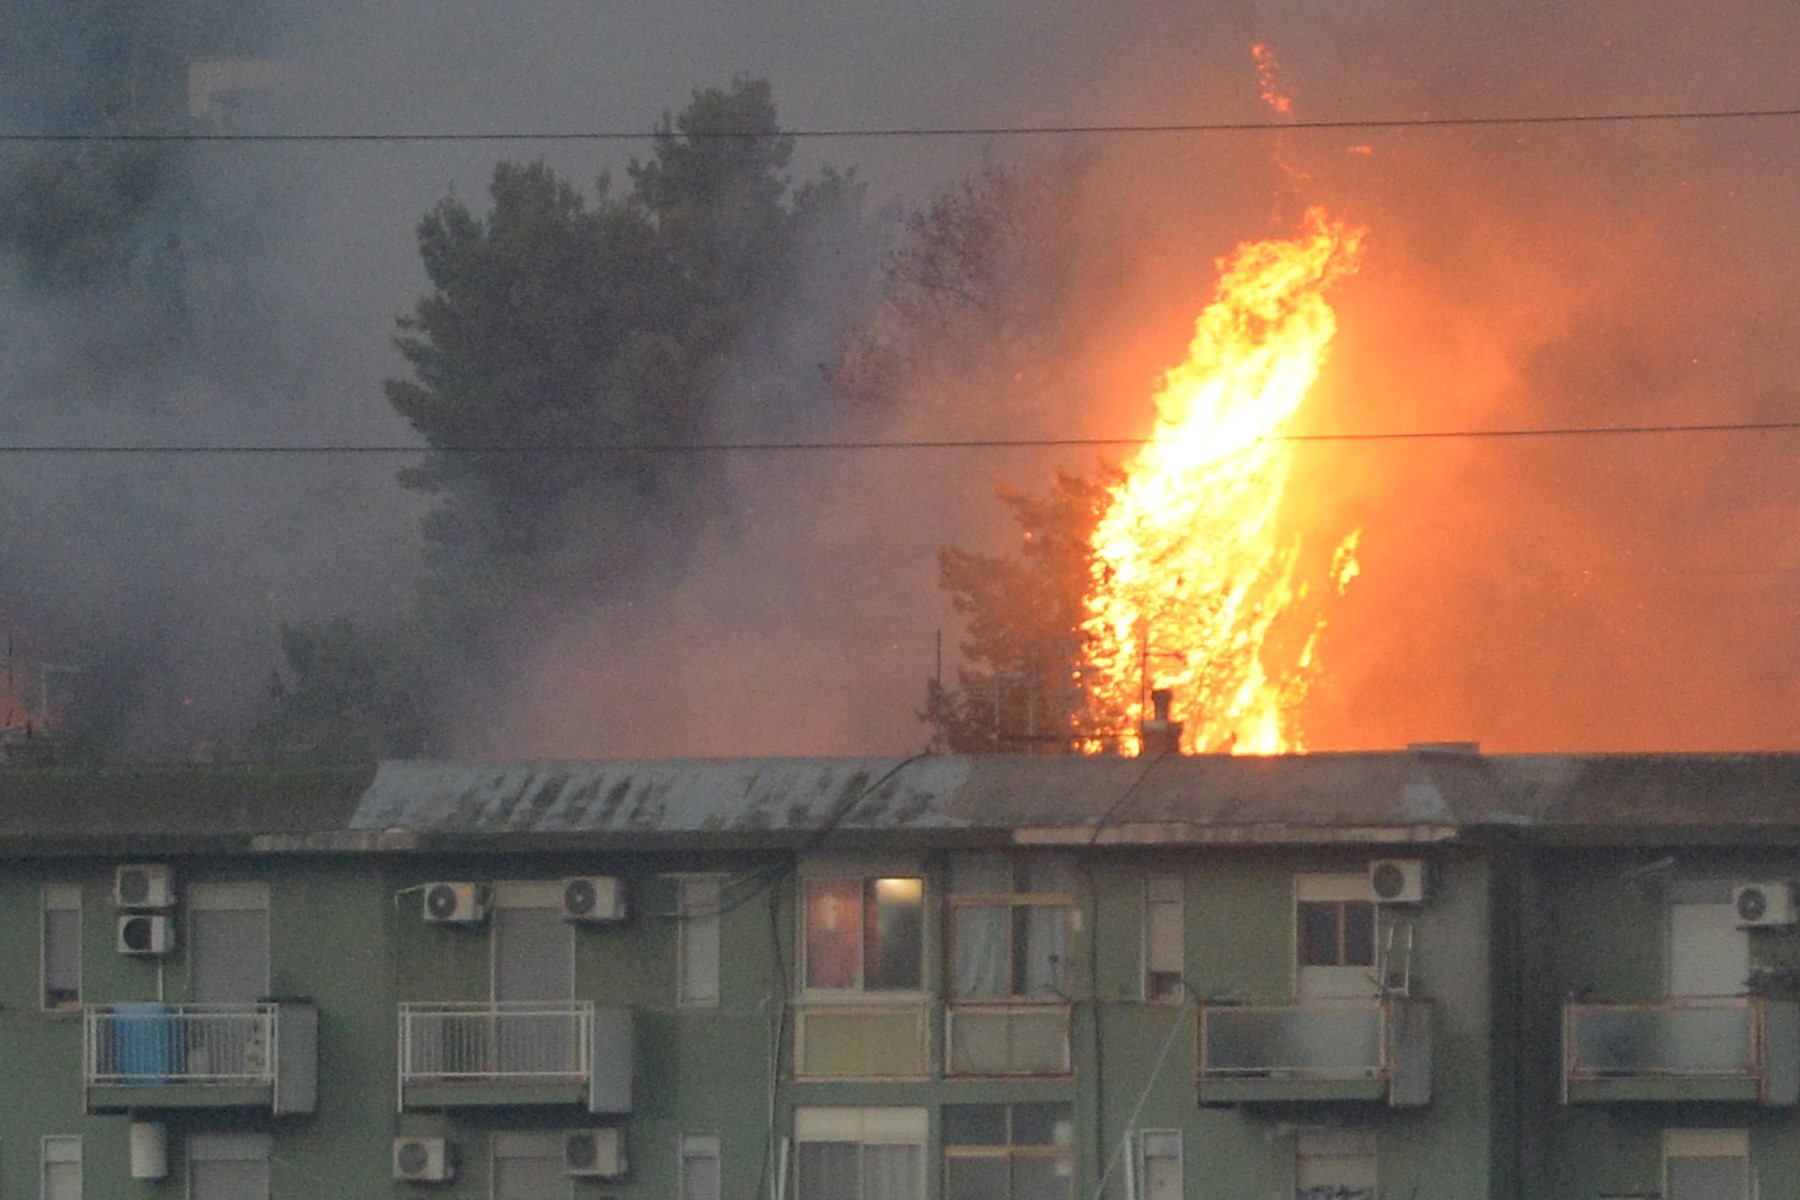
(1011,939)
(859,1154)
(697,981)
(1334,1164)
(228,1166)
(62,1167)
(699,1166)
(62,946)
(1009,1151)
(865,934)
(1163,937)
(529,1166)
(1336,933)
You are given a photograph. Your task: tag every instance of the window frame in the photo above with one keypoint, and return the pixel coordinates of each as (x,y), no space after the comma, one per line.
(63,1142)
(228,1147)
(68,898)
(697,925)
(1009,1150)
(1707,1143)
(712,1151)
(228,897)
(1013,901)
(867,882)
(1345,1144)
(1174,888)
(870,1125)
(550,1140)
(1142,1157)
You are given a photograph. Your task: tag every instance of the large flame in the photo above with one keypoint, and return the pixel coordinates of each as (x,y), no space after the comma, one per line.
(1197,584)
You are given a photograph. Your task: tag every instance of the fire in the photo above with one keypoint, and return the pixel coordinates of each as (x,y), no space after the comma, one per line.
(1198,584)
(1266,67)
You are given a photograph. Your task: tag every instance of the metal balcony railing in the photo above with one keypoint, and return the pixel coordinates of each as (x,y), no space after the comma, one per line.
(220,1045)
(1734,1048)
(1317,1050)
(500,1043)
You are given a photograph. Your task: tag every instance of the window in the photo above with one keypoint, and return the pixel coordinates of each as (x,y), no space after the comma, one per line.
(228,950)
(1159,1164)
(865,934)
(62,1168)
(1163,936)
(1008,1151)
(1334,1164)
(529,1166)
(859,1153)
(1011,926)
(228,1166)
(1337,933)
(697,941)
(62,946)
(699,1166)
(1706,1164)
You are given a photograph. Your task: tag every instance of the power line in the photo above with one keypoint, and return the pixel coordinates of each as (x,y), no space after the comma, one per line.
(698,448)
(949,131)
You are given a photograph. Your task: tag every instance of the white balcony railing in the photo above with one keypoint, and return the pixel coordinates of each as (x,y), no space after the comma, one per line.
(222,1045)
(501,1043)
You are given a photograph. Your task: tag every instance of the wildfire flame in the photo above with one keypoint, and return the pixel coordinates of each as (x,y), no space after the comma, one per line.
(1197,586)
(1266,67)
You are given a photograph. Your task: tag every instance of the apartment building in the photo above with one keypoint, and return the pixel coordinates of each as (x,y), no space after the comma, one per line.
(1427,974)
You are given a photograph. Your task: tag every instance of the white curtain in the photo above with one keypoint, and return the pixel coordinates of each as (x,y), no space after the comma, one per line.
(891,1172)
(1047,947)
(983,950)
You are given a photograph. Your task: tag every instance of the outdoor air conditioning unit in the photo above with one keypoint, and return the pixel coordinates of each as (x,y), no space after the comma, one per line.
(596,899)
(146,934)
(424,1160)
(594,1153)
(456,903)
(144,885)
(1761,905)
(1397,880)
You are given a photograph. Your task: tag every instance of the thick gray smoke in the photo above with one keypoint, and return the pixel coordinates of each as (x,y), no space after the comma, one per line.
(1563,276)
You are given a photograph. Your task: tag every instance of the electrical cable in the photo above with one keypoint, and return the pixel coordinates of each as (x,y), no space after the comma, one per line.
(1503,121)
(881,445)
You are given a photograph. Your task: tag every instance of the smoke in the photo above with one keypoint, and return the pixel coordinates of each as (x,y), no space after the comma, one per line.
(1601,593)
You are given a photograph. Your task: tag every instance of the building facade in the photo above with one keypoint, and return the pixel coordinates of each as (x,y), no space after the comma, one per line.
(1423,975)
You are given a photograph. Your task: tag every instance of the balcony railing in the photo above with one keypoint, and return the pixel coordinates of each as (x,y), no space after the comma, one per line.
(1008,1039)
(1744,1049)
(515,1052)
(1374,1050)
(201,1055)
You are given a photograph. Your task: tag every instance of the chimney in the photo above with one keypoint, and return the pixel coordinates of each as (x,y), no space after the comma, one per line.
(1159,735)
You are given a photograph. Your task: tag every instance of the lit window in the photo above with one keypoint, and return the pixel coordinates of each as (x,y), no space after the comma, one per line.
(865,934)
(1012,925)
(1163,938)
(62,946)
(1008,1151)
(859,1153)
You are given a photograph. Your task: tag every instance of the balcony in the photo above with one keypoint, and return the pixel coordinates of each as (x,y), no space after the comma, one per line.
(148,1056)
(861,1041)
(1375,1051)
(489,1055)
(1744,1049)
(1008,1039)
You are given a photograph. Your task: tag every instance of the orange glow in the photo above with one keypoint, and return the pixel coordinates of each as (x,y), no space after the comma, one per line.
(1199,583)
(1266,67)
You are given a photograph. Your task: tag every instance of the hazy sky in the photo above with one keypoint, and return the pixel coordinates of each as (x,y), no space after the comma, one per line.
(1592,595)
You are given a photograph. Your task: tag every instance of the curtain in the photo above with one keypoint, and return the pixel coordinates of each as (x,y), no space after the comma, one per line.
(1047,949)
(891,1172)
(983,950)
(828,1171)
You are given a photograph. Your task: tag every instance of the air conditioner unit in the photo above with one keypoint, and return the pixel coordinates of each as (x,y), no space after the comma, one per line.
(1765,904)
(594,1153)
(1397,880)
(144,885)
(456,903)
(146,934)
(596,898)
(424,1160)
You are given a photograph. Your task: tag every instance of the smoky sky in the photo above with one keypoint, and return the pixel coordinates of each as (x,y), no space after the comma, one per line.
(1562,594)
